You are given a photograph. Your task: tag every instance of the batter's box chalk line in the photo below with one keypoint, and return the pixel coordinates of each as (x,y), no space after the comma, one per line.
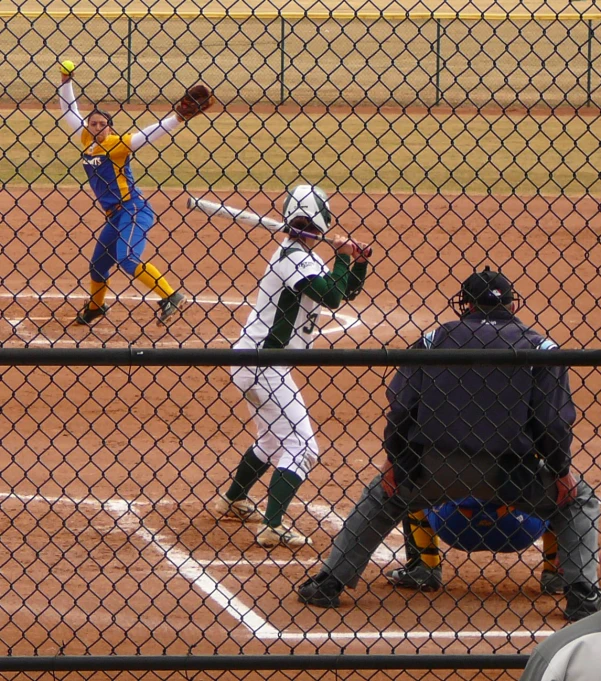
(338,322)
(129,518)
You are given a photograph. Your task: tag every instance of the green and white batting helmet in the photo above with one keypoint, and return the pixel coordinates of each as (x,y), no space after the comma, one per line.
(310,202)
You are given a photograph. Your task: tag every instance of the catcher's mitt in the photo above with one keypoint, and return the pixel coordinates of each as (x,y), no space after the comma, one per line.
(196,100)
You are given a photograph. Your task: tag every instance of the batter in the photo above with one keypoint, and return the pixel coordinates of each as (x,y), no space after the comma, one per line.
(295,285)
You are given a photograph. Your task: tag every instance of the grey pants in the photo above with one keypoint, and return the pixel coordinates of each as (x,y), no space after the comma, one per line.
(376,515)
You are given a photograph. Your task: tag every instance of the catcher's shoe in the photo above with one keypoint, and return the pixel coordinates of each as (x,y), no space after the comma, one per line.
(243,510)
(89,314)
(551,582)
(582,600)
(270,537)
(417,576)
(323,590)
(170,306)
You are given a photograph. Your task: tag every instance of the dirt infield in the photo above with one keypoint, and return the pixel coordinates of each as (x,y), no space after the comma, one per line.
(108,542)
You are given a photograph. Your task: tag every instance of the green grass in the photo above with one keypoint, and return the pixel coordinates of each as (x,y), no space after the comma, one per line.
(370,152)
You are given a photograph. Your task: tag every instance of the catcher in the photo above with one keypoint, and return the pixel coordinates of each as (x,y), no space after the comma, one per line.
(471,525)
(129,217)
(481,431)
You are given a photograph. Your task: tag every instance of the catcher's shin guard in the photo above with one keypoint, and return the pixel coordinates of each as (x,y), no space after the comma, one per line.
(421,541)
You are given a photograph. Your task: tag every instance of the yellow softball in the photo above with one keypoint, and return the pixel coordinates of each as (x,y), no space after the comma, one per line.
(67,67)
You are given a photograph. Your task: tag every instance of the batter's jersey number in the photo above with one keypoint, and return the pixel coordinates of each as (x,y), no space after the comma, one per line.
(309,327)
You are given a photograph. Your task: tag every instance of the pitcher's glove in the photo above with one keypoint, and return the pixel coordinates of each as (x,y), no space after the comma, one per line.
(196,100)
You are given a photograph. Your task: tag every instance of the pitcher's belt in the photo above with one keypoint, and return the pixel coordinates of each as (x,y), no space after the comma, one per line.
(112,211)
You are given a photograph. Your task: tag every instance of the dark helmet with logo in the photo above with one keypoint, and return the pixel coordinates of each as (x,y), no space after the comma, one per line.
(486,289)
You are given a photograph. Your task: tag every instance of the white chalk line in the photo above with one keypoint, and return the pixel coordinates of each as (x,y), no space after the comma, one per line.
(339,322)
(20,320)
(192,570)
(408,635)
(131,523)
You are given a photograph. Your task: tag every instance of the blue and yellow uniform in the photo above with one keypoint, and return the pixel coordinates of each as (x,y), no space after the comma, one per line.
(108,168)
(129,216)
(106,159)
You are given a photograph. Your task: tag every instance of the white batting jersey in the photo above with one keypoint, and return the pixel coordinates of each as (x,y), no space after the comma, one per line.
(282,317)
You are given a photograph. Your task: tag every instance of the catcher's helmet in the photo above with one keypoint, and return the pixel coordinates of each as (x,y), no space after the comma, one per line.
(484,289)
(309,202)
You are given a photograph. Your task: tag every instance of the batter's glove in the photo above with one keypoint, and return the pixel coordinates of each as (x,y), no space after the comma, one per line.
(196,100)
(567,490)
(361,251)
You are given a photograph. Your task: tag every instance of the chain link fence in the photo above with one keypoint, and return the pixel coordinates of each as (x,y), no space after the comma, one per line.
(303,58)
(447,142)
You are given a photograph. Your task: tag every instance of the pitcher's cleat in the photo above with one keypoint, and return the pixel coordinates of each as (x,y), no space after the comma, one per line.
(168,307)
(89,315)
(243,510)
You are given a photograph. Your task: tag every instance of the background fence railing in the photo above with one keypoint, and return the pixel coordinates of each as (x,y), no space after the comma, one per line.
(390,58)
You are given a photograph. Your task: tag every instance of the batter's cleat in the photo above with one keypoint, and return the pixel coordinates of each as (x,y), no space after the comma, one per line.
(582,600)
(417,576)
(170,306)
(242,511)
(323,590)
(270,537)
(90,314)
(551,583)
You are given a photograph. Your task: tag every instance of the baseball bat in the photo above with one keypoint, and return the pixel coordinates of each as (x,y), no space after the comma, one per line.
(243,217)
(247,218)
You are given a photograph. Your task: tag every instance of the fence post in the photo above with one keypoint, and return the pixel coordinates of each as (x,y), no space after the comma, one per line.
(589,74)
(282,57)
(130,24)
(438,60)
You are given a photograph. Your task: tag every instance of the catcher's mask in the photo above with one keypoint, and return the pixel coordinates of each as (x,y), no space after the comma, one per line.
(310,202)
(100,112)
(486,289)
